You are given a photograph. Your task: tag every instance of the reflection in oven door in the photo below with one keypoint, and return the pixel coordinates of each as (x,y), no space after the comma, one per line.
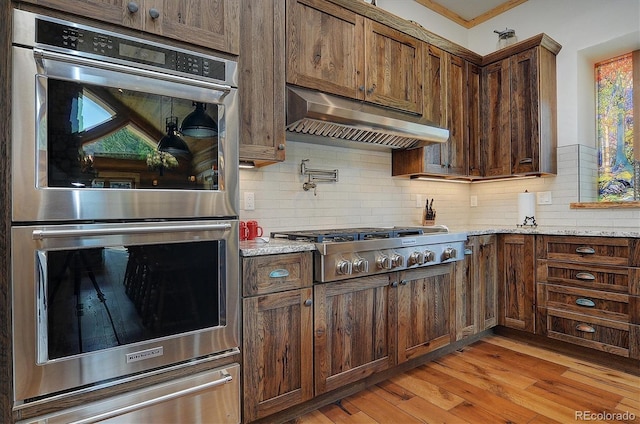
(102,301)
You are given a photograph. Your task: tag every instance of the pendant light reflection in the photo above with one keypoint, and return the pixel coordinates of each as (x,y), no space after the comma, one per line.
(172,141)
(199,124)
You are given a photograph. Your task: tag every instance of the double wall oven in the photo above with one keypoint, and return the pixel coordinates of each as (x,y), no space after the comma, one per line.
(124,207)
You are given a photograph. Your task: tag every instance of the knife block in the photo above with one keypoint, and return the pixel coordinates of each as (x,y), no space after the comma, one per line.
(428,222)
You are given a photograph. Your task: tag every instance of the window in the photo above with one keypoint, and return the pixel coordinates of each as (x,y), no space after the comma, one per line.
(618,165)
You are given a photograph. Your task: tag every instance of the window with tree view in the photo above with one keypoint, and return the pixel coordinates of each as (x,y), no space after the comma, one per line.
(618,166)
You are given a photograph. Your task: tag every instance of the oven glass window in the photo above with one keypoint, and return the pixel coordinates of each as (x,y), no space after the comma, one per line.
(105,297)
(102,137)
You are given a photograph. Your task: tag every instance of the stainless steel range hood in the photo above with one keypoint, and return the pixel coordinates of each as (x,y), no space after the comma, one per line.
(322,117)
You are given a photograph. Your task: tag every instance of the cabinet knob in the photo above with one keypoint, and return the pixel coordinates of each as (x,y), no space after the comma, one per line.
(371,90)
(132,6)
(394,284)
(153,12)
(280,146)
(308,302)
(403,282)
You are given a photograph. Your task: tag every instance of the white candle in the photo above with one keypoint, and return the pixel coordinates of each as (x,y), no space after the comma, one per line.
(526,208)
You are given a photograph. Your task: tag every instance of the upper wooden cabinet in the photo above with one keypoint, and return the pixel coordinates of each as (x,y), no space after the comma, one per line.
(261,78)
(450,102)
(335,50)
(519,106)
(209,23)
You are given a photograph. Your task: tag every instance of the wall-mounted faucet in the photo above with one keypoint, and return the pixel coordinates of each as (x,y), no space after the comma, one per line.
(317,176)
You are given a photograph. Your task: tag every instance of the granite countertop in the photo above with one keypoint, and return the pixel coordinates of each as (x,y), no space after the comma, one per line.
(273,246)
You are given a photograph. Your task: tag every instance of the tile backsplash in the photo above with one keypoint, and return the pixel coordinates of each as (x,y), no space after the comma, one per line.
(367,195)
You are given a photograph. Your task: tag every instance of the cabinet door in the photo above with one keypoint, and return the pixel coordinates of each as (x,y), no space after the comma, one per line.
(112,11)
(497,121)
(209,23)
(457,149)
(525,130)
(424,311)
(261,76)
(467,292)
(354,331)
(393,68)
(325,48)
(487,264)
(517,265)
(277,349)
(474,121)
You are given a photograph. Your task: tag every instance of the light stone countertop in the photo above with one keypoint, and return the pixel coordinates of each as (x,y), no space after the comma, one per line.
(270,246)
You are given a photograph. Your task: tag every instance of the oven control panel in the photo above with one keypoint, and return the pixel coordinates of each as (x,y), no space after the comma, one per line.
(102,45)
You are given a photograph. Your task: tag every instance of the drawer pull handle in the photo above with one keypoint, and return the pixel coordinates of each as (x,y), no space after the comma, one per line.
(585,276)
(585,250)
(468,251)
(585,328)
(587,303)
(279,273)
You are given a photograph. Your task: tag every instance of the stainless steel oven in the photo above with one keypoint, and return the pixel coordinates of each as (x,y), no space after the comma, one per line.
(124,232)
(96,302)
(107,126)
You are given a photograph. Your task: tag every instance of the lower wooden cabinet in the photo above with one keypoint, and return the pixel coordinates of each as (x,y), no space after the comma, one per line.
(476,287)
(277,331)
(425,321)
(516,262)
(587,292)
(354,333)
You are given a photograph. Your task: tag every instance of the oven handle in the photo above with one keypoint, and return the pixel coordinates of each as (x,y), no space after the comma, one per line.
(41,55)
(226,378)
(43,234)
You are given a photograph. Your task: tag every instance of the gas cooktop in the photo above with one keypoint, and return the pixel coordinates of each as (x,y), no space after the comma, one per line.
(357,252)
(354,234)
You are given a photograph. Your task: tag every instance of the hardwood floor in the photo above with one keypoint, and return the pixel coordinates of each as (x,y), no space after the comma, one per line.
(495,380)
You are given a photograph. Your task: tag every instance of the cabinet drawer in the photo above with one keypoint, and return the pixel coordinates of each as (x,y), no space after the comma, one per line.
(592,332)
(609,278)
(275,273)
(613,306)
(588,250)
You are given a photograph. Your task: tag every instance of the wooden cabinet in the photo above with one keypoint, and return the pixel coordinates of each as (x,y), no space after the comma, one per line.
(335,50)
(355,322)
(588,291)
(476,289)
(451,98)
(208,23)
(519,104)
(262,81)
(277,333)
(516,265)
(425,321)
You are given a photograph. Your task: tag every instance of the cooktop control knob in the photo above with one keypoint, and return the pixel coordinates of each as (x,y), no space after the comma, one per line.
(343,267)
(449,253)
(360,265)
(397,260)
(416,258)
(429,256)
(384,262)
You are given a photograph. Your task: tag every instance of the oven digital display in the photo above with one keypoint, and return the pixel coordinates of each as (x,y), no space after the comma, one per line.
(133,52)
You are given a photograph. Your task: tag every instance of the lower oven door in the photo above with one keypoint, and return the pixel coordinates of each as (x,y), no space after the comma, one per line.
(96,302)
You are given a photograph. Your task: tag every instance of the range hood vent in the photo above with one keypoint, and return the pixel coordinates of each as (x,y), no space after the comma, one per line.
(323,116)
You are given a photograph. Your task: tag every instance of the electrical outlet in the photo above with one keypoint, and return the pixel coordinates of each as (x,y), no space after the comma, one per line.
(544,197)
(419,201)
(473,201)
(249,201)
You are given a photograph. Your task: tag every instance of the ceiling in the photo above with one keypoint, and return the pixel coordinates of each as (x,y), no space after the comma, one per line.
(470,13)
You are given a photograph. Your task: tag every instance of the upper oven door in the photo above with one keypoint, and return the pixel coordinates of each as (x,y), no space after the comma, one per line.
(95,140)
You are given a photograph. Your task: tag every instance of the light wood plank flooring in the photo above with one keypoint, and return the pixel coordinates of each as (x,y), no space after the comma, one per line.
(495,380)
